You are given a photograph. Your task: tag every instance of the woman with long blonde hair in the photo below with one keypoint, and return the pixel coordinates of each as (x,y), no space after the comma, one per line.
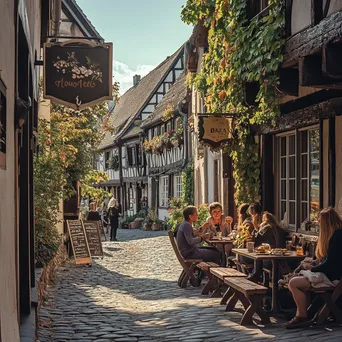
(329,254)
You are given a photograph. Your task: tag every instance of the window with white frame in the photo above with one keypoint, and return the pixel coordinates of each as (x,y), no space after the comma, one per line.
(164,191)
(298,178)
(168,126)
(178,186)
(162,129)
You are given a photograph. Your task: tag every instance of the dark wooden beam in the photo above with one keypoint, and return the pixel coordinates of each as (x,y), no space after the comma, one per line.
(288,18)
(331,60)
(267,192)
(332,162)
(316,11)
(321,166)
(312,40)
(307,116)
(310,71)
(289,81)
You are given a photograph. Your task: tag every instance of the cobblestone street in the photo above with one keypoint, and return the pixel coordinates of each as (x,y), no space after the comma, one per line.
(132,295)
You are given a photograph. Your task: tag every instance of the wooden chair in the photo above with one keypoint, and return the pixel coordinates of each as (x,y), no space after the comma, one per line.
(250,295)
(188,265)
(329,296)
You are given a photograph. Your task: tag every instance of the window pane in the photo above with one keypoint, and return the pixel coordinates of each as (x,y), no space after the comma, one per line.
(292,190)
(314,175)
(292,167)
(292,144)
(283,168)
(314,140)
(283,146)
(282,209)
(304,142)
(304,211)
(304,165)
(304,190)
(292,213)
(283,190)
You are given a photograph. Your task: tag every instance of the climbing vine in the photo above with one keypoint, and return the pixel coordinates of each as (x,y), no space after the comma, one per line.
(188,184)
(240,52)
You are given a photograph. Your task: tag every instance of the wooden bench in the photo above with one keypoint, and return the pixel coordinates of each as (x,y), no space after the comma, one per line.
(188,265)
(218,276)
(210,286)
(250,295)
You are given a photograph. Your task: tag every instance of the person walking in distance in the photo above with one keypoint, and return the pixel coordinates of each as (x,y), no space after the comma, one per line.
(113,214)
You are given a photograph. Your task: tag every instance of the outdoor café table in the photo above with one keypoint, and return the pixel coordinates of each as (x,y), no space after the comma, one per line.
(222,243)
(275,274)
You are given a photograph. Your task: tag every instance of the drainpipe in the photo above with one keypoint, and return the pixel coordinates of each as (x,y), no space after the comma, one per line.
(185,136)
(56,17)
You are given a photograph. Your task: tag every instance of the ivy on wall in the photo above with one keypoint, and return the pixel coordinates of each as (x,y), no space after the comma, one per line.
(188,184)
(240,52)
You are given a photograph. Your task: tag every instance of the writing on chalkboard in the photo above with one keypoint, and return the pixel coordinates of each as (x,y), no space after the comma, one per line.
(79,242)
(92,230)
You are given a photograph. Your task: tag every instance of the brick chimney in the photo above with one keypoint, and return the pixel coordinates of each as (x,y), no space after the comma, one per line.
(136,79)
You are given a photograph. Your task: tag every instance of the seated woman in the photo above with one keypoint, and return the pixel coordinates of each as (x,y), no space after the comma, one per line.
(216,222)
(329,270)
(271,233)
(255,211)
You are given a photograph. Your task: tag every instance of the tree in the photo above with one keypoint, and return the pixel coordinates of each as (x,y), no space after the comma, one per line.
(67,144)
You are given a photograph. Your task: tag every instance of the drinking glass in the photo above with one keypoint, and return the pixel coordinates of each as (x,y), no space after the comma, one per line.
(300,250)
(250,247)
(288,245)
(219,235)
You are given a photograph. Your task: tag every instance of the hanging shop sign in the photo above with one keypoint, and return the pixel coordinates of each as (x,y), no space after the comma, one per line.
(214,130)
(78,74)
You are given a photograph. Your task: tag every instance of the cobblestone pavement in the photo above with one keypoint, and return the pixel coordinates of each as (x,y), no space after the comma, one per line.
(132,295)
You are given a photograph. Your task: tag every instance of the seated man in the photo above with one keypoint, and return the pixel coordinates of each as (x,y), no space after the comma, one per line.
(188,240)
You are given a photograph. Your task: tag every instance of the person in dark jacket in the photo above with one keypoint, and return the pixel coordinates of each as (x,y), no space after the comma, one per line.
(271,233)
(93,214)
(113,214)
(329,255)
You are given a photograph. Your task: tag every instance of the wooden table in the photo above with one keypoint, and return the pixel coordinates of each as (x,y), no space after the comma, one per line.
(275,273)
(222,243)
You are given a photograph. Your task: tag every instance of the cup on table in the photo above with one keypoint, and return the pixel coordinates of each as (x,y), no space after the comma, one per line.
(250,247)
(289,245)
(219,235)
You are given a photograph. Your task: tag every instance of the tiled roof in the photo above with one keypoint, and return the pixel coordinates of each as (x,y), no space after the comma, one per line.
(176,94)
(133,101)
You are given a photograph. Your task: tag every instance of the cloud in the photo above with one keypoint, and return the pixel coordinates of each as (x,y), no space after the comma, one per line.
(124,75)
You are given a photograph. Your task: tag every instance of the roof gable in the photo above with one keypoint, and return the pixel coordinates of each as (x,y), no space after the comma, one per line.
(134,100)
(76,15)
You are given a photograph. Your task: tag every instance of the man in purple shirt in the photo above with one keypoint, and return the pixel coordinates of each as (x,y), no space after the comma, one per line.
(188,239)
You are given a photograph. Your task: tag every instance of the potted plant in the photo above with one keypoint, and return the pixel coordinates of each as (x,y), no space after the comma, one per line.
(154,218)
(148,223)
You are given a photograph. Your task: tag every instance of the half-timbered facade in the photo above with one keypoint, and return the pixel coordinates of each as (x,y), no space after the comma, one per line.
(166,147)
(302,156)
(130,182)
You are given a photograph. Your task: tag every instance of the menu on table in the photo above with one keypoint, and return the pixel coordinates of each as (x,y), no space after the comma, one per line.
(92,229)
(79,242)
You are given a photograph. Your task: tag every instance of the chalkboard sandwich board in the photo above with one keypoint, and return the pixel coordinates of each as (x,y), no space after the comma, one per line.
(92,230)
(79,242)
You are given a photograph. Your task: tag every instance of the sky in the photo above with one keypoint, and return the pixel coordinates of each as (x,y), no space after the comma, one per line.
(143,32)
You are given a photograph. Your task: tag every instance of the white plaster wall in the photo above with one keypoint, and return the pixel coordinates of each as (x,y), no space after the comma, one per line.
(8,236)
(210,176)
(162,214)
(301,15)
(335,6)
